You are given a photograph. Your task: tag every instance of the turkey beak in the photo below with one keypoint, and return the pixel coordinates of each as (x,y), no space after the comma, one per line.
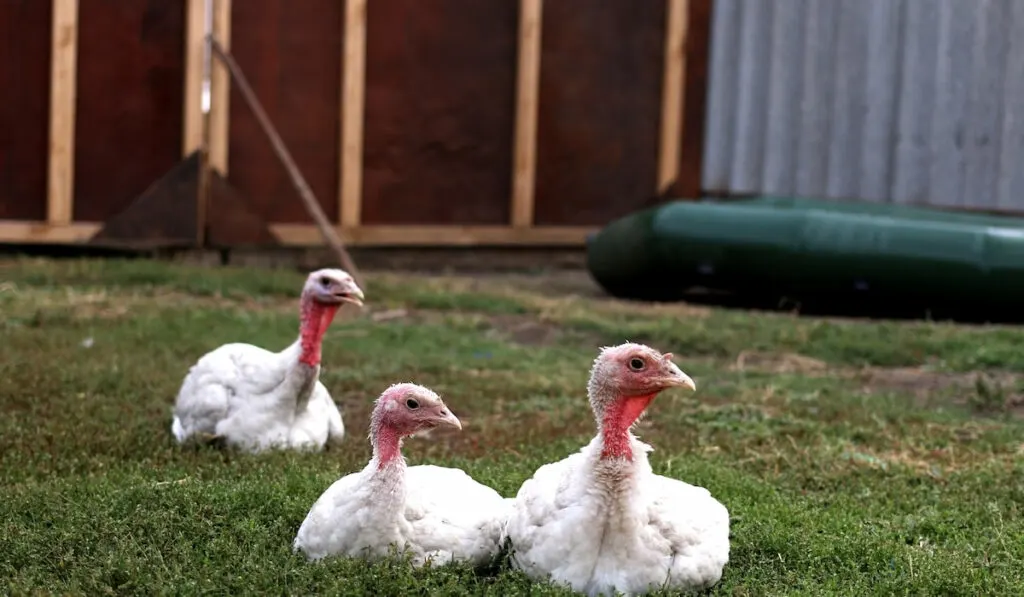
(677,379)
(353,294)
(447,418)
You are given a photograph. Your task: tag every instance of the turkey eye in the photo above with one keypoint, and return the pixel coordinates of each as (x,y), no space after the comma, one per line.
(325,281)
(636,364)
(412,403)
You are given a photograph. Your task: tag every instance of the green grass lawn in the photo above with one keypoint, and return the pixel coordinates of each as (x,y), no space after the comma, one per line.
(856,458)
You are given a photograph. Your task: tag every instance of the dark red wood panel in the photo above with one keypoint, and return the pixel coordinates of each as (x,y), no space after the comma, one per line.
(440,97)
(599,111)
(291,54)
(131,68)
(25,110)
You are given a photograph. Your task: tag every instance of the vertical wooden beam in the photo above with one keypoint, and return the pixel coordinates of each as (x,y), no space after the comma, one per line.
(220,90)
(694,100)
(672,95)
(63,66)
(194,131)
(353,88)
(524,155)
(195,47)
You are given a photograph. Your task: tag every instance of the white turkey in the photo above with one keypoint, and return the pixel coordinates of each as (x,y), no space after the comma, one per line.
(438,514)
(253,399)
(600,520)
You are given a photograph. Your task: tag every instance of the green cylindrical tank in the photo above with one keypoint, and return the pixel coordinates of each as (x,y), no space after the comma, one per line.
(805,246)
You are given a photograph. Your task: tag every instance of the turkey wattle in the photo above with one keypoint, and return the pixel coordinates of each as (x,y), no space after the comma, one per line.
(253,399)
(438,514)
(601,520)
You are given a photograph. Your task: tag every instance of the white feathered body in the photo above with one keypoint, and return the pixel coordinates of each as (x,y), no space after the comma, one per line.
(606,526)
(256,400)
(436,513)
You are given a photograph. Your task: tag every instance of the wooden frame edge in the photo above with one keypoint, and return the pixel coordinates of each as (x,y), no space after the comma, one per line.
(353,90)
(524,153)
(672,94)
(437,236)
(34,232)
(60,185)
(220,91)
(308,235)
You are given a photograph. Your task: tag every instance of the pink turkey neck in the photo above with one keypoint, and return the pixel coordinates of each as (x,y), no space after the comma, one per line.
(315,317)
(616,420)
(387,443)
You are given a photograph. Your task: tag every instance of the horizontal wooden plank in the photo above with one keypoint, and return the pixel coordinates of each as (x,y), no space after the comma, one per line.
(307,235)
(437,236)
(19,232)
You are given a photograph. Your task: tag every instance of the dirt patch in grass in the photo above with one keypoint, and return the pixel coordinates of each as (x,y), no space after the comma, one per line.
(784,362)
(985,393)
(525,330)
(916,381)
(991,392)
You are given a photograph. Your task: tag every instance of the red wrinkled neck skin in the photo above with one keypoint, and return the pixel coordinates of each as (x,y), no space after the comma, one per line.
(618,418)
(315,318)
(386,433)
(387,446)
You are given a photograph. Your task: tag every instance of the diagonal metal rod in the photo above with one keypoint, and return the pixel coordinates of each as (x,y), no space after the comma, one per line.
(312,205)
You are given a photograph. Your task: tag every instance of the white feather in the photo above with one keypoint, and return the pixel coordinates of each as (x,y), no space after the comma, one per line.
(256,400)
(605,526)
(438,514)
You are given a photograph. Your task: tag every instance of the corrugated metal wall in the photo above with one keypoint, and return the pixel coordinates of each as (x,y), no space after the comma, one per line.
(906,101)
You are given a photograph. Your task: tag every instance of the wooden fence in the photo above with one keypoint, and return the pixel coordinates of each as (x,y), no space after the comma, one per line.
(415,122)
(100,100)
